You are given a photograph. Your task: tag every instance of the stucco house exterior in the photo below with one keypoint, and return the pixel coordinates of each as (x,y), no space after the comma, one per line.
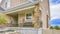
(26,13)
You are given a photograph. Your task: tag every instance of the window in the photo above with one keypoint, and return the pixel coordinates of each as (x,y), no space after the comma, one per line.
(7,4)
(28,16)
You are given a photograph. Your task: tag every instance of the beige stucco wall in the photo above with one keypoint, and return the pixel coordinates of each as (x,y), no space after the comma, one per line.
(45,12)
(16,2)
(13,3)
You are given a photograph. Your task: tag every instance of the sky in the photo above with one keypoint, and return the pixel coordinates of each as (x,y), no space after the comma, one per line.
(55,8)
(55,12)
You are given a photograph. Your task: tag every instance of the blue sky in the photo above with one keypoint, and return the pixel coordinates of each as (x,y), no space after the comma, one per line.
(55,8)
(55,11)
(54,2)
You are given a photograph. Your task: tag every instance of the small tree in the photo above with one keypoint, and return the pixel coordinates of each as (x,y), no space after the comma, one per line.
(2,19)
(57,28)
(51,27)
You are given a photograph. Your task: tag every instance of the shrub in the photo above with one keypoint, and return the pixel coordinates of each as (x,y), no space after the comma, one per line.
(2,20)
(55,27)
(51,27)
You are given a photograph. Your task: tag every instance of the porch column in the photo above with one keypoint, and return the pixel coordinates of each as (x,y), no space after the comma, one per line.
(36,16)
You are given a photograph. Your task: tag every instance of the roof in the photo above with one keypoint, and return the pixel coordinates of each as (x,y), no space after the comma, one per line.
(1,9)
(23,5)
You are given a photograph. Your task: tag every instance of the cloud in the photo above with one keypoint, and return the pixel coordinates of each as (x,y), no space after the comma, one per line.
(55,6)
(56,17)
(55,21)
(55,10)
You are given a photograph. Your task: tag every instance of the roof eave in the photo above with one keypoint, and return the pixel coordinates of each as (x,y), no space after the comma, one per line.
(23,5)
(26,4)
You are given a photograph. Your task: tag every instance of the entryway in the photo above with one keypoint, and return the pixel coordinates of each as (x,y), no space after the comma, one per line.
(13,20)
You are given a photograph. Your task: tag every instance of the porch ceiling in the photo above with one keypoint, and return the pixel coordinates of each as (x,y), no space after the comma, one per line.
(19,11)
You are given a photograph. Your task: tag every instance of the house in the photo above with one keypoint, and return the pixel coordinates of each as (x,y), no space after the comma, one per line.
(27,13)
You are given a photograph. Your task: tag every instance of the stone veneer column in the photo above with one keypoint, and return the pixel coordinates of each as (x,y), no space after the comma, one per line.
(21,19)
(36,16)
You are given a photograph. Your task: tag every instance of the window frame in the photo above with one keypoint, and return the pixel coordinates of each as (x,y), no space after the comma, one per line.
(26,16)
(7,4)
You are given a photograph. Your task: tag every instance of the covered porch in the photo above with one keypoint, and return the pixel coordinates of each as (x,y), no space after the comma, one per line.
(26,17)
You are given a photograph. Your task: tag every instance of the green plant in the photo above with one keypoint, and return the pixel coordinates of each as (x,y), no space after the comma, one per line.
(55,27)
(2,20)
(51,27)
